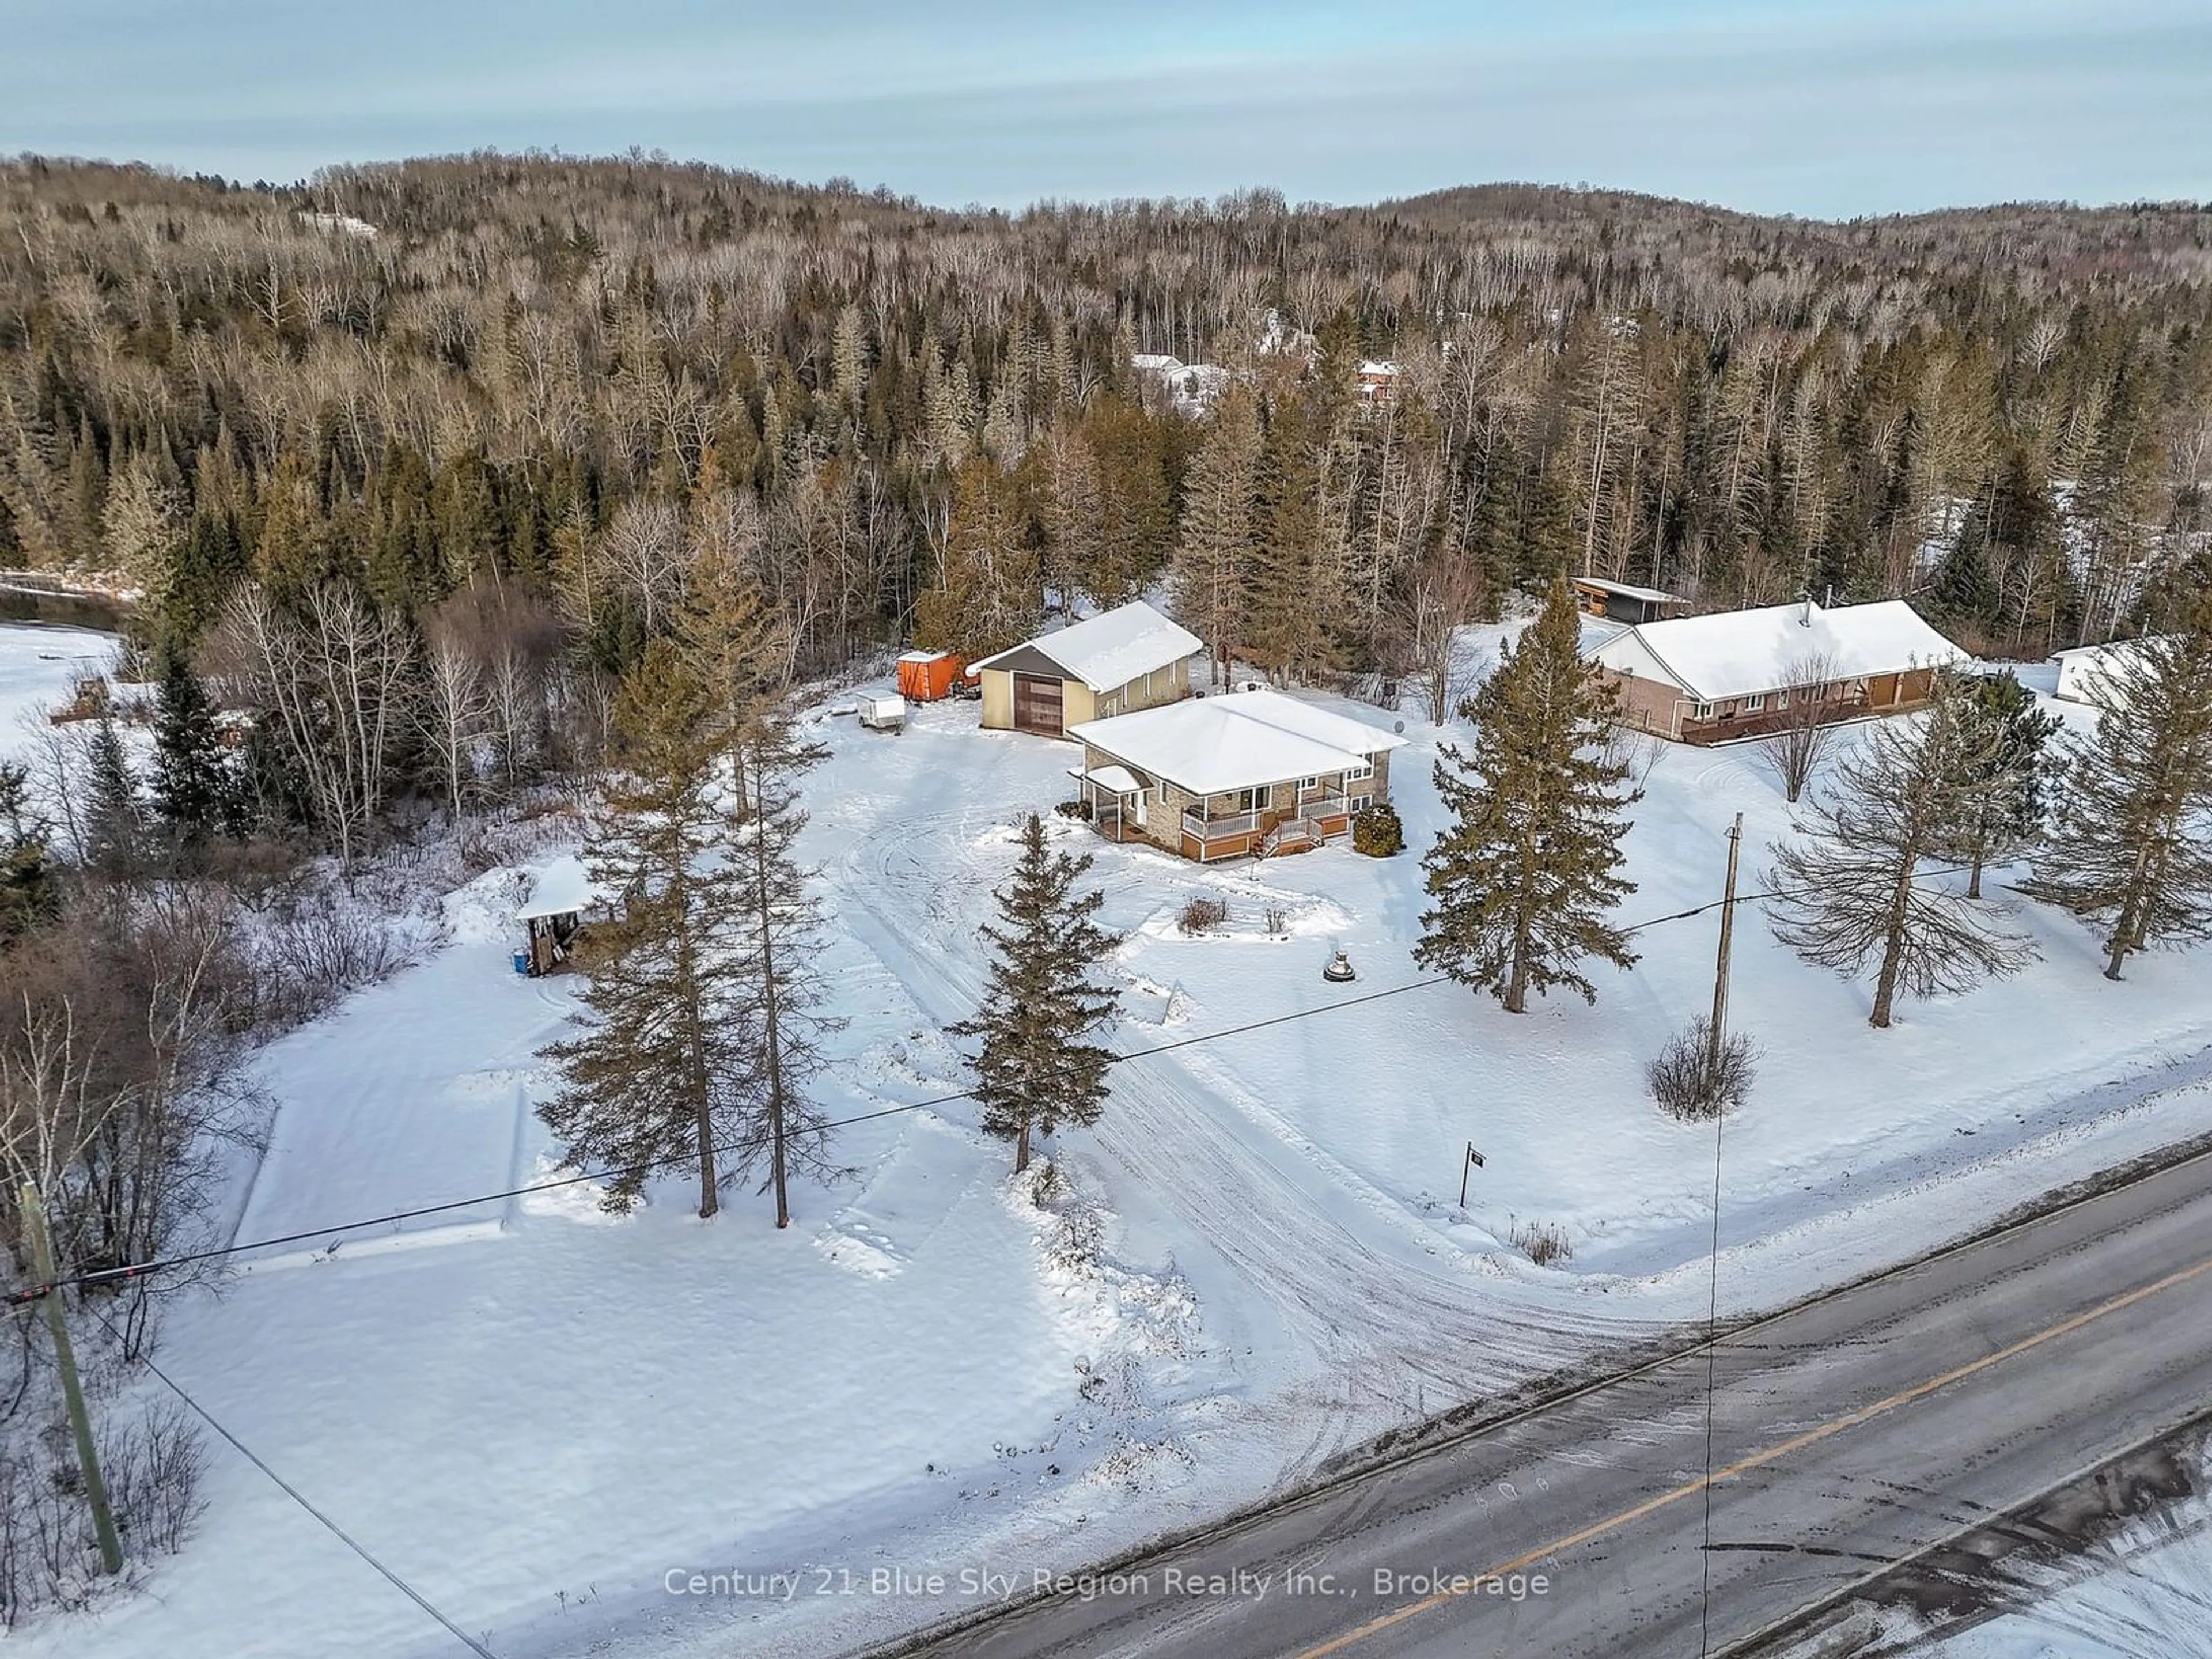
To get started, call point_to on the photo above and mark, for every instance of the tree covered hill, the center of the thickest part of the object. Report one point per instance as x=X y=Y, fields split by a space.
x=564 y=376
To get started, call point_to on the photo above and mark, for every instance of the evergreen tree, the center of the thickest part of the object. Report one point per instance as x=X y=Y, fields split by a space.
x=777 y=938
x=989 y=592
x=1529 y=865
x=1036 y=1068
x=1214 y=555
x=27 y=894
x=663 y=1071
x=2131 y=844
x=2000 y=793
x=1964 y=593
x=735 y=640
x=194 y=791
x=1851 y=894
x=114 y=824
x=1285 y=624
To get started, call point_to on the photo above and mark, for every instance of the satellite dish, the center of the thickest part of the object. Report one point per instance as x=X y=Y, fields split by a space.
x=1398 y=727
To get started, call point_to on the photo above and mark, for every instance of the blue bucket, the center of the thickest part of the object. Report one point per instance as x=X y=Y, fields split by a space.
x=522 y=962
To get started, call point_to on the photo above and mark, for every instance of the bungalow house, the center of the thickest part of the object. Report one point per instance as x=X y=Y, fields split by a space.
x=1621 y=602
x=1746 y=674
x=1252 y=773
x=1123 y=659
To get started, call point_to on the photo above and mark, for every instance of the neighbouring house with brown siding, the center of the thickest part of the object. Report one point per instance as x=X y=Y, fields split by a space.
x=1119 y=661
x=1254 y=773
x=1746 y=674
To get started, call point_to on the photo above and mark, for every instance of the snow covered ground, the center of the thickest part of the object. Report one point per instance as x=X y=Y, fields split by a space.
x=2143 y=1593
x=535 y=1414
x=39 y=666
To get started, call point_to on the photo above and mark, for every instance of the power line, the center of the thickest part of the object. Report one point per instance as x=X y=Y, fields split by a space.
x=297 y=1496
x=646 y=1166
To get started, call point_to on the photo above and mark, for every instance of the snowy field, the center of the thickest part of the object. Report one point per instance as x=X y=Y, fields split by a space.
x=39 y=665
x=535 y=1414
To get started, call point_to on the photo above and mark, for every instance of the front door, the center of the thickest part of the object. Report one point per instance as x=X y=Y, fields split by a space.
x=1036 y=704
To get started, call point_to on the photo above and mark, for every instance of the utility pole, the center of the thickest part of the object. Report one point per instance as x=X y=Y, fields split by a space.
x=88 y=1456
x=1713 y=1040
x=1714 y=1032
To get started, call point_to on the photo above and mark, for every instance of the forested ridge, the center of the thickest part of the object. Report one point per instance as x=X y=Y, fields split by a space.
x=561 y=379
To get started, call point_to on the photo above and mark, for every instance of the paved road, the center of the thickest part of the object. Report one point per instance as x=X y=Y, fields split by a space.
x=1847 y=1435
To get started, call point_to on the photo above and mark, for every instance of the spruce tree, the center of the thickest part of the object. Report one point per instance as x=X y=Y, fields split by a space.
x=1850 y=893
x=194 y=791
x=26 y=892
x=2131 y=844
x=989 y=592
x=114 y=825
x=662 y=1071
x=1037 y=1068
x=2001 y=793
x=1214 y=555
x=777 y=940
x=1524 y=874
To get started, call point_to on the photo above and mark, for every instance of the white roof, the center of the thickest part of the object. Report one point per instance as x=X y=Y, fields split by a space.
x=923 y=656
x=1212 y=744
x=562 y=887
x=1156 y=362
x=1114 y=648
x=1733 y=653
x=1115 y=780
x=2094 y=652
x=1372 y=367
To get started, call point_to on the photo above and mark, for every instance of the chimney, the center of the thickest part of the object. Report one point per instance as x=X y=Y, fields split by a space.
x=1805 y=616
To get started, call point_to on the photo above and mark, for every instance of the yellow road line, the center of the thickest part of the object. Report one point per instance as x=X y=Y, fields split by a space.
x=1757 y=1460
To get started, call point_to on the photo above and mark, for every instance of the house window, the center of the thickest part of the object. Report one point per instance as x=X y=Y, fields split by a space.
x=1701 y=711
x=1754 y=703
x=1362 y=772
x=1782 y=700
x=1307 y=786
x=1255 y=800
x=1361 y=803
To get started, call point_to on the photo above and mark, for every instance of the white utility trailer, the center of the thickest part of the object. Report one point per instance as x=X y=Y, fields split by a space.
x=883 y=713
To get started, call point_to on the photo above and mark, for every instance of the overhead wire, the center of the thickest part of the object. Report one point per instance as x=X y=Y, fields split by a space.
x=749 y=1144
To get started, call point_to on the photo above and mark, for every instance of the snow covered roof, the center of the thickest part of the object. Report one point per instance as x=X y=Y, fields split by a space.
x=1154 y=362
x=1212 y=744
x=2113 y=648
x=1381 y=370
x=923 y=656
x=1733 y=653
x=1108 y=651
x=562 y=888
x=1115 y=780
x=1626 y=590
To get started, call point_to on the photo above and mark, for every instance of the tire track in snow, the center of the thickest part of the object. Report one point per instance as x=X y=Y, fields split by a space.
x=1373 y=1339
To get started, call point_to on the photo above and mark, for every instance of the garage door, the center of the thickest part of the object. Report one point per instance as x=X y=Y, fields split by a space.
x=1036 y=704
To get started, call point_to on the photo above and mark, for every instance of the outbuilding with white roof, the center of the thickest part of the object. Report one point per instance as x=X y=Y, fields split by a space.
x=1253 y=772
x=1119 y=661
x=1745 y=673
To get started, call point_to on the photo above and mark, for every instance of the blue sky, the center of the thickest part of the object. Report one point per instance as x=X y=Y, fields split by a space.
x=1827 y=110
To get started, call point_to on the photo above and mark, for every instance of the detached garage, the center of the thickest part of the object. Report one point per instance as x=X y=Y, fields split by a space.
x=1116 y=663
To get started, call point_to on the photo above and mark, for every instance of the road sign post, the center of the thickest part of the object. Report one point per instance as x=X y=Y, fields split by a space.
x=1472 y=1162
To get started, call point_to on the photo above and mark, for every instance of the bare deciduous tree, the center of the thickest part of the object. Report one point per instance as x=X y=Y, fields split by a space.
x=1803 y=708
x=336 y=682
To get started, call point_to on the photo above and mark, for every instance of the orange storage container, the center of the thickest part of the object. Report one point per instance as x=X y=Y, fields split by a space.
x=926 y=676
